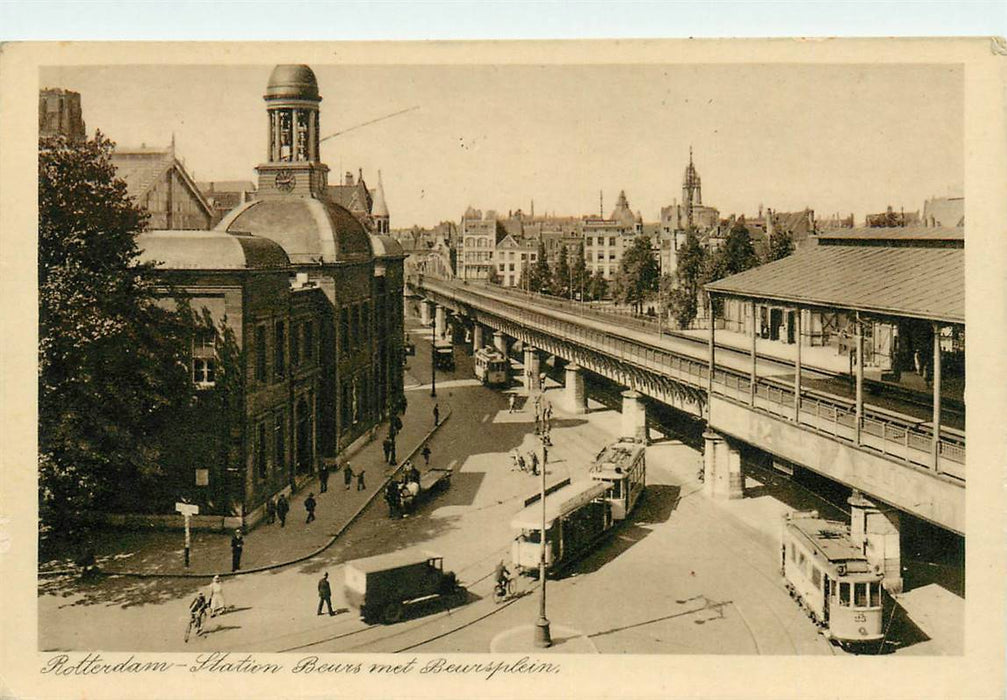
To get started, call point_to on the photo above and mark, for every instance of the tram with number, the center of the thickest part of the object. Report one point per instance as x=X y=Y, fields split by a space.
x=491 y=367
x=579 y=514
x=831 y=579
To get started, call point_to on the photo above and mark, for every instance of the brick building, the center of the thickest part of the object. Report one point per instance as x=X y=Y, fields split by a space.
x=59 y=113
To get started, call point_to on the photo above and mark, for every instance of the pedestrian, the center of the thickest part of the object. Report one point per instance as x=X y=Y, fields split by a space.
x=216 y=597
x=534 y=463
x=391 y=455
x=237 y=542
x=397 y=424
x=520 y=462
x=426 y=454
x=360 y=480
x=513 y=459
x=510 y=404
x=271 y=511
x=309 y=505
x=437 y=415
x=282 y=507
x=347 y=475
x=387 y=447
x=324 y=594
x=392 y=492
x=323 y=477
x=402 y=405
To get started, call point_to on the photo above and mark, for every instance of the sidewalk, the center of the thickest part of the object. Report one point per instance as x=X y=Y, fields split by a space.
x=161 y=553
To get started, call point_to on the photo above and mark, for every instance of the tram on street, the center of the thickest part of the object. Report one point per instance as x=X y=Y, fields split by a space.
x=576 y=517
x=491 y=367
x=831 y=579
x=444 y=355
x=622 y=466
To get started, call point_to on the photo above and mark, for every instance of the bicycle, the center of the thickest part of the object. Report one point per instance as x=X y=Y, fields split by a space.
x=196 y=619
x=503 y=590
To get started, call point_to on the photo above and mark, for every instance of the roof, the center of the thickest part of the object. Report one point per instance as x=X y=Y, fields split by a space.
x=926 y=283
x=559 y=502
x=391 y=560
x=831 y=538
x=141 y=168
x=355 y=197
x=896 y=233
x=215 y=186
x=310 y=230
x=292 y=82
x=385 y=247
x=209 y=250
x=619 y=455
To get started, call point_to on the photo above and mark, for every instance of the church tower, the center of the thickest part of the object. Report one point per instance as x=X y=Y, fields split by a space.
x=379 y=209
x=292 y=166
x=692 y=190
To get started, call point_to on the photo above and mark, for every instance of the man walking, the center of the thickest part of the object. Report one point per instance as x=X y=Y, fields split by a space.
x=360 y=480
x=324 y=594
x=437 y=415
x=271 y=511
x=534 y=463
x=347 y=475
x=426 y=454
x=391 y=452
x=387 y=447
x=510 y=404
x=282 y=507
x=323 y=477
x=237 y=542
x=309 y=505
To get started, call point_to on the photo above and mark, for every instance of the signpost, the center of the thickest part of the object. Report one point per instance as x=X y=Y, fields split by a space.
x=187 y=510
x=542 y=637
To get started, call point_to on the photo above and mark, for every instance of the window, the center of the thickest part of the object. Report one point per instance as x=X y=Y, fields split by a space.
x=204 y=371
x=611 y=240
x=280 y=439
x=601 y=256
x=844 y=594
x=280 y=358
x=875 y=594
x=260 y=450
x=309 y=340
x=511 y=267
x=816 y=577
x=260 y=353
x=295 y=346
x=590 y=240
x=860 y=595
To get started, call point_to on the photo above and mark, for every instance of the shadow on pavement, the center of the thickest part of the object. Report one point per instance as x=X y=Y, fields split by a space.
x=121 y=591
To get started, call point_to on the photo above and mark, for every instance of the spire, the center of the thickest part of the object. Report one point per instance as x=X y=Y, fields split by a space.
x=379 y=207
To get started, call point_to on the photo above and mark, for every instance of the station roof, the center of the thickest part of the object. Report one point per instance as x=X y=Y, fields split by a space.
x=926 y=283
x=209 y=250
x=558 y=503
x=894 y=234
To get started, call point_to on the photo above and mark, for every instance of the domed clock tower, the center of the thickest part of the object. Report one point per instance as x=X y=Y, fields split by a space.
x=293 y=166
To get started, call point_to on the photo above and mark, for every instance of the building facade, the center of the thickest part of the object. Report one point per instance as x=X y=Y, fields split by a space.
x=60 y=114
x=477 y=239
x=157 y=181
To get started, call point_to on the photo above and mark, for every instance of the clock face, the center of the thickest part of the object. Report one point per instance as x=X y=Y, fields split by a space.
x=285 y=180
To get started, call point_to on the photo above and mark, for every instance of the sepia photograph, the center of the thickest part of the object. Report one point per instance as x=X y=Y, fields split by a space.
x=492 y=360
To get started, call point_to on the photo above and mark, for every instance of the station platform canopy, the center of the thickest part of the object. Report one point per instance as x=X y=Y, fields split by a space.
x=909 y=282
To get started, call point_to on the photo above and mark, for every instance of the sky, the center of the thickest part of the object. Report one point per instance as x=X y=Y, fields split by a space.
x=837 y=138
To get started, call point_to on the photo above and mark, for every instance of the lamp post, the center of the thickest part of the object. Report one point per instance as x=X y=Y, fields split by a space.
x=542 y=637
x=433 y=361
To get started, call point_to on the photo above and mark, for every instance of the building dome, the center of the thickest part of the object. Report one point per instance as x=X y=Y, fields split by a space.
x=292 y=82
x=386 y=247
x=310 y=230
x=209 y=250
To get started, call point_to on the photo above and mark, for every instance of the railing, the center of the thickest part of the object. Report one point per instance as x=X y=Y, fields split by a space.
x=892 y=435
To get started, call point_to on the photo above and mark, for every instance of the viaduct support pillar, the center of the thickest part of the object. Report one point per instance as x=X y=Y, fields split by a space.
x=722 y=476
x=634 y=416
x=574 y=394
x=477 y=337
x=532 y=369
x=876 y=530
x=440 y=325
x=425 y=312
x=500 y=343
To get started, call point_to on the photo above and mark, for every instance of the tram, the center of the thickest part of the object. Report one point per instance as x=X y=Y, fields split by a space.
x=491 y=367
x=831 y=579
x=444 y=355
x=623 y=467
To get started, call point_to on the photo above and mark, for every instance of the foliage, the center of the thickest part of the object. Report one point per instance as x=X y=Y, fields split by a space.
x=738 y=253
x=539 y=274
x=578 y=270
x=780 y=246
x=493 y=277
x=561 y=279
x=597 y=286
x=638 y=274
x=113 y=363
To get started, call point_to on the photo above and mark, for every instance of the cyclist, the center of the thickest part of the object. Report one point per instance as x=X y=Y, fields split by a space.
x=502 y=576
x=197 y=611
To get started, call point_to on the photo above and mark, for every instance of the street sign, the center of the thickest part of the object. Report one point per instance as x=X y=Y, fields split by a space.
x=202 y=477
x=187 y=509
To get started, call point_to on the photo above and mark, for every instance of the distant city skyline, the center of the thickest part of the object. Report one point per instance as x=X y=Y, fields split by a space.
x=836 y=138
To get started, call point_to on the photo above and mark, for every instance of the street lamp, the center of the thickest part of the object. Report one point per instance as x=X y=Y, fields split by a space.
x=433 y=360
x=542 y=637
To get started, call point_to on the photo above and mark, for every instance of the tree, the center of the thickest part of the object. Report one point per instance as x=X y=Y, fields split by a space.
x=493 y=277
x=638 y=274
x=597 y=286
x=113 y=362
x=578 y=270
x=561 y=281
x=780 y=245
x=738 y=253
x=539 y=275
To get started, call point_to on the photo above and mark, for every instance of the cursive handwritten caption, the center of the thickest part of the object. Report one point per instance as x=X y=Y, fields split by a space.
x=95 y=664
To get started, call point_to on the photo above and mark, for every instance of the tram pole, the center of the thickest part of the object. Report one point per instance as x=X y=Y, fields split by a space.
x=542 y=637
x=433 y=361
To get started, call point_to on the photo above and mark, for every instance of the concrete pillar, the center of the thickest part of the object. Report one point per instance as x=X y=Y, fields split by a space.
x=575 y=394
x=634 y=416
x=500 y=342
x=477 y=337
x=532 y=369
x=425 y=312
x=753 y=379
x=722 y=475
x=797 y=367
x=935 y=448
x=440 y=321
x=876 y=531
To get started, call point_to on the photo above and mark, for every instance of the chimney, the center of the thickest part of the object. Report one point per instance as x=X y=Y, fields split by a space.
x=348 y=180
